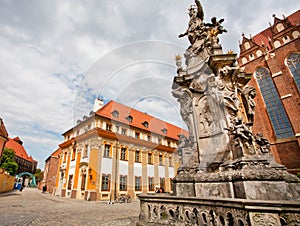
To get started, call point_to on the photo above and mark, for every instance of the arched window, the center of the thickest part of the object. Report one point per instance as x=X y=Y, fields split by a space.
x=277 y=114
x=293 y=62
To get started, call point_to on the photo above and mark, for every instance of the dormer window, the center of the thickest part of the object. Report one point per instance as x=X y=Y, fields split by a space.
x=146 y=124
x=115 y=114
x=164 y=130
x=129 y=118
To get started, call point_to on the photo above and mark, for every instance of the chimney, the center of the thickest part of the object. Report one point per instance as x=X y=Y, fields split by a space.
x=99 y=103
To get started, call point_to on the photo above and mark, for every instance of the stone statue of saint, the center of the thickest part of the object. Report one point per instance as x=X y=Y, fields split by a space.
x=249 y=94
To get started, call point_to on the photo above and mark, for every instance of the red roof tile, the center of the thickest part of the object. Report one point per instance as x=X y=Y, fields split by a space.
x=18 y=148
x=295 y=18
x=138 y=118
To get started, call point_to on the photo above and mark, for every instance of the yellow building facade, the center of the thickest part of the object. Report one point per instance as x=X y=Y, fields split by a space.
x=117 y=151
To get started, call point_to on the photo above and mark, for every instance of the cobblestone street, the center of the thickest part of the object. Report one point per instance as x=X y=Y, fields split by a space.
x=31 y=207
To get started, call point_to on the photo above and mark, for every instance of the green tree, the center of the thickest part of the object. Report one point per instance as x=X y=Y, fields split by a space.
x=39 y=174
x=8 y=161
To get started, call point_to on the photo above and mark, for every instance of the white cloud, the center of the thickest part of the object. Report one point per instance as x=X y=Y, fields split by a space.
x=47 y=47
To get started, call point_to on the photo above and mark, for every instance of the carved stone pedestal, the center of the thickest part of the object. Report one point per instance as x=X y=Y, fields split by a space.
x=228 y=175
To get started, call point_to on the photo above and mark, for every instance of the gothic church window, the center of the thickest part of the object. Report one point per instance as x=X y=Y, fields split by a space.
x=275 y=109
x=293 y=62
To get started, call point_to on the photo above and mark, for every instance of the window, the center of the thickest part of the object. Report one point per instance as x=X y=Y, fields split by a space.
x=275 y=109
x=73 y=154
x=138 y=186
x=124 y=131
x=159 y=140
x=115 y=114
x=146 y=124
x=105 y=182
x=137 y=135
x=85 y=150
x=293 y=62
x=246 y=45
x=160 y=160
x=65 y=157
x=123 y=153
x=137 y=156
x=164 y=130
x=151 y=183
x=171 y=184
x=107 y=150
x=170 y=161
x=108 y=127
x=83 y=179
x=162 y=183
x=129 y=118
x=149 y=158
x=149 y=138
x=70 y=182
x=123 y=183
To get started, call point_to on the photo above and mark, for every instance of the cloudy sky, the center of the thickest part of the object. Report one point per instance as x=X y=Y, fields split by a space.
x=57 y=56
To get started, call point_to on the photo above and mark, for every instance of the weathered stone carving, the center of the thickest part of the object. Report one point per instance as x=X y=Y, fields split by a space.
x=222 y=160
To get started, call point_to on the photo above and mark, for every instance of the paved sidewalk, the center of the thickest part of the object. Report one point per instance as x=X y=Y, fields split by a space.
x=32 y=207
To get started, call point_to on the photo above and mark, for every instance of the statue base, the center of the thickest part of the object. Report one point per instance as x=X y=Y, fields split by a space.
x=247 y=191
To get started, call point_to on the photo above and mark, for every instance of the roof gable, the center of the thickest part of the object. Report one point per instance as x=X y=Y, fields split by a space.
x=19 y=149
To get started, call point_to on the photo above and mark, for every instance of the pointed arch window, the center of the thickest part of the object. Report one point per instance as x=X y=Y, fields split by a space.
x=293 y=62
x=275 y=109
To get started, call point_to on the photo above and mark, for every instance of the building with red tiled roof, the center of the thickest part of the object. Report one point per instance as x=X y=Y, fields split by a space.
x=273 y=58
x=3 y=136
x=26 y=163
x=51 y=170
x=117 y=150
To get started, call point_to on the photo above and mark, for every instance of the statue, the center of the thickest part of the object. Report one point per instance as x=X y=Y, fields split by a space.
x=249 y=94
x=263 y=143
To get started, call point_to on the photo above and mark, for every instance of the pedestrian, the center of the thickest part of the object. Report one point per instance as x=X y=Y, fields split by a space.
x=44 y=188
